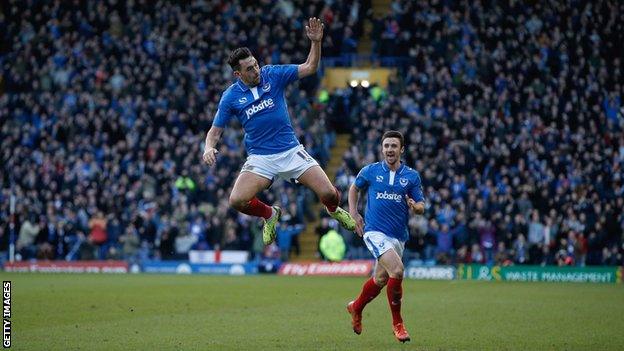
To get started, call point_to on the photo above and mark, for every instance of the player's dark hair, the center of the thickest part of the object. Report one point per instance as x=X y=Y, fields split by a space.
x=393 y=134
x=236 y=55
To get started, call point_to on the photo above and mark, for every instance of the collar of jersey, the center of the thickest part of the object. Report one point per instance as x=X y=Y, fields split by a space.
x=386 y=168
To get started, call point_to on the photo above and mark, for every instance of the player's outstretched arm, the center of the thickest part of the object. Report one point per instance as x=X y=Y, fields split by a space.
x=417 y=207
x=354 y=197
x=212 y=138
x=314 y=31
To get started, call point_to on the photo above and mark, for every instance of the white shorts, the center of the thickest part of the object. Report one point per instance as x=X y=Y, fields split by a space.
x=289 y=164
x=378 y=243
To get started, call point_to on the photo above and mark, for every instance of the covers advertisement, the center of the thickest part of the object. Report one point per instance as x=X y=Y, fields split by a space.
x=430 y=272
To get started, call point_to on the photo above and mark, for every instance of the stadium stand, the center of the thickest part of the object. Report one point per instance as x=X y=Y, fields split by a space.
x=107 y=106
x=512 y=113
x=513 y=116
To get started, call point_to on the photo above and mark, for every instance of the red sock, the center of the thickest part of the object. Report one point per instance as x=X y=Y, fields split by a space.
x=258 y=208
x=332 y=204
x=395 y=293
x=370 y=290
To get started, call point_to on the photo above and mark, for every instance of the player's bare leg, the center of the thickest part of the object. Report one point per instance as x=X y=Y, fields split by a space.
x=316 y=179
x=243 y=199
x=372 y=287
x=392 y=263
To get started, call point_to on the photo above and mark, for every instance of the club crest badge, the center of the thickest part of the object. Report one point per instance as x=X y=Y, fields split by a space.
x=403 y=182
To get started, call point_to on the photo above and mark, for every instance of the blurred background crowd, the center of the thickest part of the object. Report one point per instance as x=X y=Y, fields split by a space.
x=105 y=106
x=512 y=114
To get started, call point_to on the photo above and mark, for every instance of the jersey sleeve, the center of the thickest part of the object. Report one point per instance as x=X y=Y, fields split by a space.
x=416 y=193
x=361 y=181
x=224 y=113
x=284 y=74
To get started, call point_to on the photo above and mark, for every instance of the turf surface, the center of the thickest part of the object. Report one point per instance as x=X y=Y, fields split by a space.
x=172 y=312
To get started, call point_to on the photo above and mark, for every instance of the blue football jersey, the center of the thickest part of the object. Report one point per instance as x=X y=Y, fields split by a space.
x=386 y=207
x=261 y=110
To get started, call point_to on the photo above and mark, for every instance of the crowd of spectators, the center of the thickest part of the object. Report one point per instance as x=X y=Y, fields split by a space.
x=105 y=106
x=513 y=115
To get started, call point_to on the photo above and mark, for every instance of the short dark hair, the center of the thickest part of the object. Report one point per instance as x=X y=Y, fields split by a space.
x=393 y=134
x=236 y=55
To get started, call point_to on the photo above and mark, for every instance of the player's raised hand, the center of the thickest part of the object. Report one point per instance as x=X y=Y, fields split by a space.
x=359 y=223
x=314 y=29
x=210 y=155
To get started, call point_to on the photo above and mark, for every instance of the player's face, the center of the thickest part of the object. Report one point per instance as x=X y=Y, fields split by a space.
x=392 y=150
x=249 y=71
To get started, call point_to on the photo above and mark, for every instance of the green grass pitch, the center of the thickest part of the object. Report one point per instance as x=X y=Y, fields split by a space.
x=195 y=312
